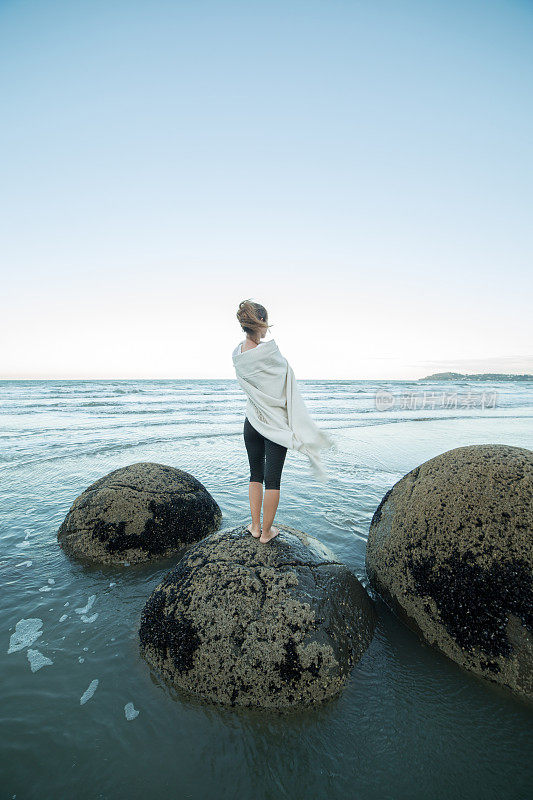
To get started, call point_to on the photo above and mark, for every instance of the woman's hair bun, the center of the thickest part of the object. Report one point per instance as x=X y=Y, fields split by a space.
x=253 y=318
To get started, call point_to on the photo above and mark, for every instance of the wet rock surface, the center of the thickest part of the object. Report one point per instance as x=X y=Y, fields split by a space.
x=450 y=548
x=138 y=513
x=276 y=625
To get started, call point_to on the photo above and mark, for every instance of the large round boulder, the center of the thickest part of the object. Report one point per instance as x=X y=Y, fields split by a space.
x=137 y=513
x=276 y=625
x=450 y=549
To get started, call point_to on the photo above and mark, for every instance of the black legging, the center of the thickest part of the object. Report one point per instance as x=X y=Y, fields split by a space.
x=266 y=458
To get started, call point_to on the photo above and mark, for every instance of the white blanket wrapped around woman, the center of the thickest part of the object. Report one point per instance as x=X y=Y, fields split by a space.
x=275 y=406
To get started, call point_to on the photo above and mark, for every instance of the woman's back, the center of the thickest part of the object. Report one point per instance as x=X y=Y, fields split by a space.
x=239 y=348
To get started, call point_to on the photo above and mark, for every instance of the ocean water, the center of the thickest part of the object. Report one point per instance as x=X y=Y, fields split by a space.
x=81 y=714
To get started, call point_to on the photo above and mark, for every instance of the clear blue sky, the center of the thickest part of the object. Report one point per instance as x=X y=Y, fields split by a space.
x=363 y=169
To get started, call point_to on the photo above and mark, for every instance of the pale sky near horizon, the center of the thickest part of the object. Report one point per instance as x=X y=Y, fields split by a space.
x=363 y=169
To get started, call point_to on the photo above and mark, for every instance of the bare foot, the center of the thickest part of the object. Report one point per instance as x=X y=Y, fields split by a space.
x=255 y=533
x=266 y=536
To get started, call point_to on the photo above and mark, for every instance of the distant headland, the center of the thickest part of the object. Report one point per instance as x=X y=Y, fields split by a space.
x=484 y=376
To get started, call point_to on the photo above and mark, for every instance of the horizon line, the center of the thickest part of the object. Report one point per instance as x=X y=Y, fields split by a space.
x=383 y=378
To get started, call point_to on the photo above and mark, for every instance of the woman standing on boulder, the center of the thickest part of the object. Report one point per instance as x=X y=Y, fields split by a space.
x=276 y=417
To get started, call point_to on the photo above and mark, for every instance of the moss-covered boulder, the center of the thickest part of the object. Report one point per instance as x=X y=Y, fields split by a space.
x=138 y=513
x=276 y=625
x=450 y=548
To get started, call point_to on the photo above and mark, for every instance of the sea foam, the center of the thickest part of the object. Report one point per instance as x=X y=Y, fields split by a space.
x=130 y=711
x=37 y=660
x=26 y=632
x=85 y=609
x=88 y=693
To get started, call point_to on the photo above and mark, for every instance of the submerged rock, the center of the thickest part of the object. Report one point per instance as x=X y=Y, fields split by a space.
x=275 y=625
x=450 y=548
x=138 y=513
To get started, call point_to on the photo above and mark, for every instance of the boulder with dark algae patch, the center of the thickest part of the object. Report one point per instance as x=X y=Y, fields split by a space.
x=240 y=623
x=450 y=549
x=138 y=513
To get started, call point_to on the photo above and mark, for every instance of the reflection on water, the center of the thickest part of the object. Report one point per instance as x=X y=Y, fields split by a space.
x=81 y=710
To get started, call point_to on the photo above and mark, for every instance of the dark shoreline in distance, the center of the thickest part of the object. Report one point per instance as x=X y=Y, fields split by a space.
x=484 y=376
